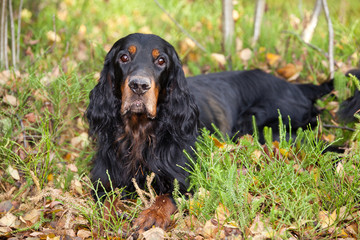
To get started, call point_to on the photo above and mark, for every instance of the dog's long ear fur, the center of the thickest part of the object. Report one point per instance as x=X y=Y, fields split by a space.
x=104 y=106
x=182 y=110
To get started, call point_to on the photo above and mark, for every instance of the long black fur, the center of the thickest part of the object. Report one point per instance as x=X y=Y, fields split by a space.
x=173 y=130
x=230 y=99
x=227 y=99
x=351 y=105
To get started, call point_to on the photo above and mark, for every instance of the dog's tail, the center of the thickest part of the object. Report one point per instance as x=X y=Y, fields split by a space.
x=351 y=105
x=314 y=92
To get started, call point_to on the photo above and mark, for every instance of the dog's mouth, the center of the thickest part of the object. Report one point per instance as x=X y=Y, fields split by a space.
x=138 y=106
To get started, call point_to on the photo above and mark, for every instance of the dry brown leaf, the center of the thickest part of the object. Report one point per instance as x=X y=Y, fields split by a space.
x=326 y=219
x=4 y=77
x=222 y=214
x=329 y=137
x=33 y=216
x=255 y=155
x=13 y=173
x=30 y=117
x=72 y=167
x=210 y=230
x=353 y=229
x=154 y=233
x=82 y=233
x=272 y=59
x=5 y=206
x=77 y=186
x=11 y=100
x=290 y=71
x=9 y=220
x=261 y=228
x=80 y=141
x=5 y=230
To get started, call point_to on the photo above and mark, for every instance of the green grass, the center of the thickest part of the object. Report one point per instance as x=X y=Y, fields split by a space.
x=288 y=190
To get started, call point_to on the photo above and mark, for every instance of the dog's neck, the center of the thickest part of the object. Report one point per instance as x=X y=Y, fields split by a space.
x=137 y=138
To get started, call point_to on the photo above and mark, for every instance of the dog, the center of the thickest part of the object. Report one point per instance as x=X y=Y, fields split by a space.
x=144 y=113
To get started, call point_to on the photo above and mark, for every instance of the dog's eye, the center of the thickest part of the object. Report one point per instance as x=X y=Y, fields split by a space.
x=161 y=61
x=124 y=58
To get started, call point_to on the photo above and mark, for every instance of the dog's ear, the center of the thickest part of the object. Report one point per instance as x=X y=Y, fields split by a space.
x=182 y=109
x=104 y=106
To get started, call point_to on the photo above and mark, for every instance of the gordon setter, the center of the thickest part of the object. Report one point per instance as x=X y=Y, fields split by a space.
x=144 y=113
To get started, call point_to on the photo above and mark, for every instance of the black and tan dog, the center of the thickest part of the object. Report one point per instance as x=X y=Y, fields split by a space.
x=143 y=113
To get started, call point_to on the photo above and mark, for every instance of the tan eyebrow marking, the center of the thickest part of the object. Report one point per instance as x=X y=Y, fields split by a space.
x=155 y=53
x=132 y=49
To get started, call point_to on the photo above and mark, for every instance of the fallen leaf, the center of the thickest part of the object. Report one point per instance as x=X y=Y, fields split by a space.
x=219 y=58
x=80 y=141
x=82 y=233
x=272 y=59
x=5 y=206
x=329 y=137
x=245 y=54
x=11 y=100
x=31 y=117
x=5 y=230
x=153 y=234
x=77 y=186
x=33 y=216
x=217 y=142
x=209 y=230
x=353 y=229
x=13 y=173
x=290 y=71
x=9 y=220
x=326 y=219
x=72 y=167
x=53 y=37
x=222 y=214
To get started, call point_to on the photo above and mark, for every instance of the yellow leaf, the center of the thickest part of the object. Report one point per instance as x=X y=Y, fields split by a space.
x=218 y=143
x=284 y=152
x=53 y=37
x=329 y=137
x=26 y=14
x=50 y=177
x=272 y=59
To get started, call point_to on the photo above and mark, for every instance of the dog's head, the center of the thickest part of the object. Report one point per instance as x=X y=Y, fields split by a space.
x=141 y=73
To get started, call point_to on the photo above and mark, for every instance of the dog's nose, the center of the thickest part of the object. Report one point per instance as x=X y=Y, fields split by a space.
x=139 y=85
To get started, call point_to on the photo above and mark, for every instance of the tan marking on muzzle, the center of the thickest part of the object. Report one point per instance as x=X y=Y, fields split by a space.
x=149 y=99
